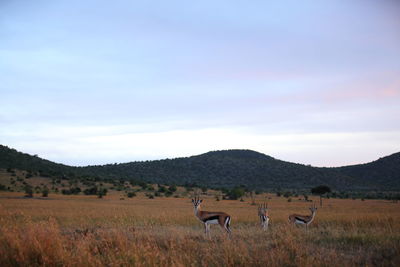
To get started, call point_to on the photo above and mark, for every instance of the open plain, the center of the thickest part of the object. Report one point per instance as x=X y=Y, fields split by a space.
x=86 y=231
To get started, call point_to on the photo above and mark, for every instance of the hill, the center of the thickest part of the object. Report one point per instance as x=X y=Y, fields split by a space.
x=384 y=172
x=220 y=169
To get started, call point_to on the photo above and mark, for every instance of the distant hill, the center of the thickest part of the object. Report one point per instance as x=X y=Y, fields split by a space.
x=383 y=173
x=226 y=168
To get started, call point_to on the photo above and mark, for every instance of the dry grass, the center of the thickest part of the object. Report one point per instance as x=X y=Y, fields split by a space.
x=85 y=231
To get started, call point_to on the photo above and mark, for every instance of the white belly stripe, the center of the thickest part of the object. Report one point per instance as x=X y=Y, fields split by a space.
x=215 y=221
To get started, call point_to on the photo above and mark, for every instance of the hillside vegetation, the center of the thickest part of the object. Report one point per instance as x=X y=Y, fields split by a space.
x=222 y=169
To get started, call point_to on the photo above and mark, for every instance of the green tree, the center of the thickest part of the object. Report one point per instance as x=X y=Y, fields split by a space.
x=131 y=194
x=235 y=193
x=2 y=187
x=320 y=190
x=101 y=192
x=172 y=188
x=45 y=192
x=28 y=191
x=162 y=189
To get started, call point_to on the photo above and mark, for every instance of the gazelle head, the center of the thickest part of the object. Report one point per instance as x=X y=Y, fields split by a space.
x=196 y=202
x=263 y=214
x=313 y=208
x=263 y=209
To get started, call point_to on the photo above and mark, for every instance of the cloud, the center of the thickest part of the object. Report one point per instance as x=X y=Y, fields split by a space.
x=87 y=83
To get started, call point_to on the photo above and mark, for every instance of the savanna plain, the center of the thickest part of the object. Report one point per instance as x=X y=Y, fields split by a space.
x=87 y=231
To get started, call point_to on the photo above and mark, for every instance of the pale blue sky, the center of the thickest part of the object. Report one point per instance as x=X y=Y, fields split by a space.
x=92 y=82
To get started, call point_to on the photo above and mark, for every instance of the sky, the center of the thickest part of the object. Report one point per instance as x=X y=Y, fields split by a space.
x=96 y=82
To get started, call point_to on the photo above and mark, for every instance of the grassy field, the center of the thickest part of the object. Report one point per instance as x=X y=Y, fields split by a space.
x=86 y=231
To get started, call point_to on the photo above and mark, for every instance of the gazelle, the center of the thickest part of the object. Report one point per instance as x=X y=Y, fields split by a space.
x=210 y=217
x=303 y=219
x=263 y=214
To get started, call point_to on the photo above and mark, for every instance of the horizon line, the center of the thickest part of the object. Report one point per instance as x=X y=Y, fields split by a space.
x=182 y=157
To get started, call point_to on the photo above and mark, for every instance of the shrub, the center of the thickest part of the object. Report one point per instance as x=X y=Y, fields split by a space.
x=45 y=192
x=90 y=191
x=150 y=196
x=131 y=194
x=172 y=188
x=150 y=187
x=101 y=192
x=71 y=191
x=2 y=187
x=287 y=194
x=162 y=189
x=28 y=191
x=235 y=193
x=143 y=185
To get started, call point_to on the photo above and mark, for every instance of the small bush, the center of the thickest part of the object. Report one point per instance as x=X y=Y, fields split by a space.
x=101 y=192
x=172 y=188
x=131 y=194
x=150 y=187
x=28 y=191
x=235 y=193
x=90 y=191
x=287 y=194
x=162 y=189
x=45 y=192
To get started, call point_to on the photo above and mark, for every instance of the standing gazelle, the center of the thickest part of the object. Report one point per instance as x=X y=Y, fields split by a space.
x=210 y=217
x=263 y=214
x=303 y=219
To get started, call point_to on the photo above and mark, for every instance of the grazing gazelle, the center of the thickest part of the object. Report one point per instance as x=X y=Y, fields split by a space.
x=263 y=214
x=303 y=219
x=210 y=217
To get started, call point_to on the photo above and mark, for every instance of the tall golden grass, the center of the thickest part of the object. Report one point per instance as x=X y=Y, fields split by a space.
x=85 y=231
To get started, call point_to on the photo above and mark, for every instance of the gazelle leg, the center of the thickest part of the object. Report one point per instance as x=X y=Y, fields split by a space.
x=227 y=226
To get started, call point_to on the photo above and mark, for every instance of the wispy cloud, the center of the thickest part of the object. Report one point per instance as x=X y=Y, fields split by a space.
x=91 y=82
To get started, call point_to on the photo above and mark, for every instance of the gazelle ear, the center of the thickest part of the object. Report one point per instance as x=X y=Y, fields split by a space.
x=192 y=200
x=200 y=201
